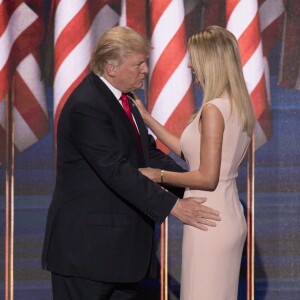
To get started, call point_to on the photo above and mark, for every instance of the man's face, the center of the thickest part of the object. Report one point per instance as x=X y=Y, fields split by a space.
x=130 y=74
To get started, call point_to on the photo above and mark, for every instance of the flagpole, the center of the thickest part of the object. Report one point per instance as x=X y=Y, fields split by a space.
x=9 y=203
x=253 y=218
x=250 y=220
x=164 y=260
x=166 y=272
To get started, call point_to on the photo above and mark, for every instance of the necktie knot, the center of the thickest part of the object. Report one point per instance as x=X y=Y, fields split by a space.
x=125 y=103
x=126 y=107
x=123 y=97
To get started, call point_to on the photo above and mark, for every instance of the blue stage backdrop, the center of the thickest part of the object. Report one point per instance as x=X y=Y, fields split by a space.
x=73 y=27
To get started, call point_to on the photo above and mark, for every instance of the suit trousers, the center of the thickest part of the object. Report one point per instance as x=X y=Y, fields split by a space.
x=74 y=288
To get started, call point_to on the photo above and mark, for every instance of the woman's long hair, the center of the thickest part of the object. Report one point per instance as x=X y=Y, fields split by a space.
x=215 y=59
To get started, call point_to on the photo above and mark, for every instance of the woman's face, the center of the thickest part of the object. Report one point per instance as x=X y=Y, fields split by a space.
x=190 y=66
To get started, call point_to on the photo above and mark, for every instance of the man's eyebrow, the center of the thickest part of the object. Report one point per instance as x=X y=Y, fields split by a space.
x=140 y=62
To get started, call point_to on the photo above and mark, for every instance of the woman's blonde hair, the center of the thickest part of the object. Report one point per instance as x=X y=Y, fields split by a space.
x=114 y=45
x=215 y=58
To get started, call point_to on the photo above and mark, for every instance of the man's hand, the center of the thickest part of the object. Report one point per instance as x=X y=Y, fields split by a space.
x=191 y=211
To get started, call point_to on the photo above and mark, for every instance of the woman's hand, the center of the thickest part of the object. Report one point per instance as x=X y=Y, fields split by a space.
x=143 y=111
x=153 y=174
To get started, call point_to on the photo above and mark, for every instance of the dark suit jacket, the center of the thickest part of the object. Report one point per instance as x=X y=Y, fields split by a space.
x=100 y=222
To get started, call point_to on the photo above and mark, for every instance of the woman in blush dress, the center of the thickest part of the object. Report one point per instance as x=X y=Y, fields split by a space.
x=213 y=145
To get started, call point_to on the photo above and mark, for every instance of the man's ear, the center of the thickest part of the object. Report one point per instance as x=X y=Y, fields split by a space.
x=110 y=69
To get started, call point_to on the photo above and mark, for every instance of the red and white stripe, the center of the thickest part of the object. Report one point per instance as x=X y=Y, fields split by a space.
x=22 y=31
x=133 y=14
x=78 y=25
x=170 y=98
x=244 y=24
x=243 y=21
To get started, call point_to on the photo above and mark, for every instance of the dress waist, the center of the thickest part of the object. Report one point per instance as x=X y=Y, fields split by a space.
x=228 y=177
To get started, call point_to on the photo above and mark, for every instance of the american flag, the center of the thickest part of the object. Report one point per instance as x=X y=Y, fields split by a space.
x=257 y=26
x=243 y=21
x=21 y=33
x=170 y=98
x=78 y=25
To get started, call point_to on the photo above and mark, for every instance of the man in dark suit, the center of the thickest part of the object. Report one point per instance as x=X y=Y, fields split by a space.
x=99 y=233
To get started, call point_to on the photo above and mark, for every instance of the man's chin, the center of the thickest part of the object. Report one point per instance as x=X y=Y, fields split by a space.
x=139 y=86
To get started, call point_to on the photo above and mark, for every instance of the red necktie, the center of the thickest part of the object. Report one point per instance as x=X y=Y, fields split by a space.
x=126 y=106
x=127 y=109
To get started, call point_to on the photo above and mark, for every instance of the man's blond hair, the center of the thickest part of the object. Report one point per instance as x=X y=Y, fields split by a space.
x=114 y=45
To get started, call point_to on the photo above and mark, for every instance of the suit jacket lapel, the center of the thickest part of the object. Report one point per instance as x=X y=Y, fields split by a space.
x=120 y=113
x=113 y=103
x=142 y=130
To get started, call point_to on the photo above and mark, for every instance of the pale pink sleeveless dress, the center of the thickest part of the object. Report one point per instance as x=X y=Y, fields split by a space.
x=211 y=259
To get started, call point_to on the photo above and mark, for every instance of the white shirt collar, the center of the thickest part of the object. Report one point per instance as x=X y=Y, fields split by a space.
x=115 y=91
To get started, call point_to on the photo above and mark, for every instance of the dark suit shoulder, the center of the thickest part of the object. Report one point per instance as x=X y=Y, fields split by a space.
x=90 y=93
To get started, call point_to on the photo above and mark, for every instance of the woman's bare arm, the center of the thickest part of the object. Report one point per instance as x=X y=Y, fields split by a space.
x=207 y=176
x=167 y=138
